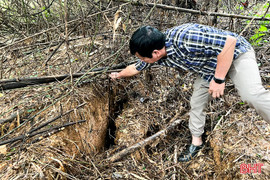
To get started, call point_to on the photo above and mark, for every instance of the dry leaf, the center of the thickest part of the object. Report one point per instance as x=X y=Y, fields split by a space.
x=116 y=22
x=194 y=165
x=1 y=95
x=2 y=166
x=116 y=15
x=115 y=26
x=3 y=149
x=124 y=27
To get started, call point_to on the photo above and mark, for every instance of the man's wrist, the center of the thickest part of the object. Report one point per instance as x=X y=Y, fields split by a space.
x=218 y=80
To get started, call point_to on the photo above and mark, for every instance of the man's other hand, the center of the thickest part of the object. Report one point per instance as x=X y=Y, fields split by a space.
x=216 y=90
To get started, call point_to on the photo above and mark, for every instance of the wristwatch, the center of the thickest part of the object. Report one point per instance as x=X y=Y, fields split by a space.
x=219 y=81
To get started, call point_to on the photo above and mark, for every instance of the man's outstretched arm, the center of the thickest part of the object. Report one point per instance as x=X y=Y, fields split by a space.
x=127 y=72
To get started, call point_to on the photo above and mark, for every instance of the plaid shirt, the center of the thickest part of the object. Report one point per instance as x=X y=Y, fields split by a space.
x=195 y=47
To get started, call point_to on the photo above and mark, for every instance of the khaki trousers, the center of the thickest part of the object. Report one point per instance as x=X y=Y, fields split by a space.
x=244 y=74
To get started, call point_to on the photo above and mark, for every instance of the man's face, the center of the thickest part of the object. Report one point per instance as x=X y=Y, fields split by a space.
x=155 y=57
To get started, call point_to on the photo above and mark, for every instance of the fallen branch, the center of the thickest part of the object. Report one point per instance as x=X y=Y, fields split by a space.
x=58 y=128
x=144 y=142
x=23 y=82
x=162 y=6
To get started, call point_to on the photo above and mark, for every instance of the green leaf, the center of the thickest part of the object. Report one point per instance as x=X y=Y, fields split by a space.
x=258 y=41
x=30 y=110
x=258 y=155
x=256 y=36
x=263 y=29
x=221 y=151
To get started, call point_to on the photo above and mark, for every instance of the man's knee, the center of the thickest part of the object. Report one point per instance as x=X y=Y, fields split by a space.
x=253 y=95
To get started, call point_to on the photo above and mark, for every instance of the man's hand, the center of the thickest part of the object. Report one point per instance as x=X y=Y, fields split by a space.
x=114 y=75
x=215 y=89
x=127 y=72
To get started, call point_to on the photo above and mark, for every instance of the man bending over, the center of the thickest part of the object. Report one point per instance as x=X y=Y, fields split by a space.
x=213 y=54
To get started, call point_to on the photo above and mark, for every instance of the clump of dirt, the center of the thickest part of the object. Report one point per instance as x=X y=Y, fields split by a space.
x=88 y=137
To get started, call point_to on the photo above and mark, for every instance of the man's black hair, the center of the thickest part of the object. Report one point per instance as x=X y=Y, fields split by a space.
x=145 y=40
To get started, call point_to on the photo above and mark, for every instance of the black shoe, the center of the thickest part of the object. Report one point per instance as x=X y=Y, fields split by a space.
x=190 y=153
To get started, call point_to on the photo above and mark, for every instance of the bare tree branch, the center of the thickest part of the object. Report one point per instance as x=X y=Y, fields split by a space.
x=162 y=6
x=144 y=142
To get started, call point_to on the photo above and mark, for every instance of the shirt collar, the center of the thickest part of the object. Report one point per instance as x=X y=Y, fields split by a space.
x=170 y=50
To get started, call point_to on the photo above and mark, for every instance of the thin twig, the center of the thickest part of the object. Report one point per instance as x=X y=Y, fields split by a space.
x=55 y=118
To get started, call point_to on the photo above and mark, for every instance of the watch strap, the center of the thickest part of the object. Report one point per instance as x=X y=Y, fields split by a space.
x=219 y=81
